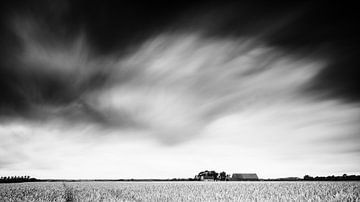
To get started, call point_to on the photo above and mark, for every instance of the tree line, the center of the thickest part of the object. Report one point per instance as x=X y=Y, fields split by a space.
x=204 y=175
x=344 y=177
x=10 y=179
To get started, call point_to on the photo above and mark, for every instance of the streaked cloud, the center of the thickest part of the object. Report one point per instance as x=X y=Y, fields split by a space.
x=204 y=102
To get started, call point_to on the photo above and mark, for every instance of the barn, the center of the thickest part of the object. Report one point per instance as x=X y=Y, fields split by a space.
x=244 y=177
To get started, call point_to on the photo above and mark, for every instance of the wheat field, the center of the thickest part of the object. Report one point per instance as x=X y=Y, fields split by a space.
x=181 y=191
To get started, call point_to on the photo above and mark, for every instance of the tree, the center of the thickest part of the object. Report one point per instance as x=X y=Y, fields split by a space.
x=222 y=176
x=308 y=177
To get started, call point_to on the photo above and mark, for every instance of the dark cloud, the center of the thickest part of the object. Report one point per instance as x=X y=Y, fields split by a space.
x=330 y=30
x=116 y=27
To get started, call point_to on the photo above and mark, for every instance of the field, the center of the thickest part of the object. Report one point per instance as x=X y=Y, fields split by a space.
x=181 y=191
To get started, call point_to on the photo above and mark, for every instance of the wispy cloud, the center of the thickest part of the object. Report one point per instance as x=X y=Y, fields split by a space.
x=183 y=90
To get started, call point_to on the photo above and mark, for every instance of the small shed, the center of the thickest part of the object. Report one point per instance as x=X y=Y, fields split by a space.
x=244 y=177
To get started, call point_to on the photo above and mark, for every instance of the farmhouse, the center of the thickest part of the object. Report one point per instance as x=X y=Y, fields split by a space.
x=244 y=177
x=207 y=176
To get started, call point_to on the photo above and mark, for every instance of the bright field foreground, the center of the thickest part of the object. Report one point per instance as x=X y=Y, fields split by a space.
x=181 y=191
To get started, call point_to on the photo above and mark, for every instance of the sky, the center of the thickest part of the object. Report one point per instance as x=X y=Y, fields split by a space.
x=126 y=89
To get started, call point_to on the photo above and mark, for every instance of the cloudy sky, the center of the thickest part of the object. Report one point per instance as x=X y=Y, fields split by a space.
x=126 y=89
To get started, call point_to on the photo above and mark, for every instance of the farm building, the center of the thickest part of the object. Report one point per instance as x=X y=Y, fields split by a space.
x=244 y=177
x=207 y=176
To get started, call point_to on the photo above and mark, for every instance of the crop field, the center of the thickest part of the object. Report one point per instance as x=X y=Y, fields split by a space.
x=181 y=191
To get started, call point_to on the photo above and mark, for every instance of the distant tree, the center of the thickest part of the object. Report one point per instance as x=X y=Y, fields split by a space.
x=213 y=174
x=308 y=177
x=222 y=176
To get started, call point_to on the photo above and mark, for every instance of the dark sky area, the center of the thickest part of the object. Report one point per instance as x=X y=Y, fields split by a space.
x=329 y=29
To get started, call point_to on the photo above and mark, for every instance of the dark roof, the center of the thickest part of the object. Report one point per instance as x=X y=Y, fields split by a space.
x=245 y=176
